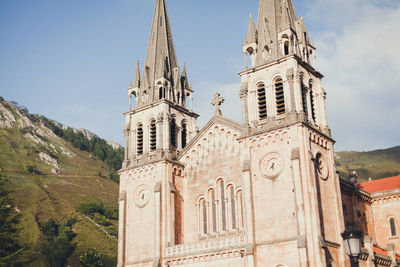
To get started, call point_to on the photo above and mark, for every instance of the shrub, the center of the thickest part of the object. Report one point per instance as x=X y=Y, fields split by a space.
x=34 y=170
x=50 y=228
x=101 y=219
x=112 y=230
x=90 y=208
x=91 y=258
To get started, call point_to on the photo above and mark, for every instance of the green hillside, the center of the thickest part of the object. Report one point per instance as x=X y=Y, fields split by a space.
x=51 y=177
x=372 y=164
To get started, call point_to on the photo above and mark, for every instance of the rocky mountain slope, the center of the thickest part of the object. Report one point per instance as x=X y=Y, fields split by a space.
x=53 y=178
x=371 y=164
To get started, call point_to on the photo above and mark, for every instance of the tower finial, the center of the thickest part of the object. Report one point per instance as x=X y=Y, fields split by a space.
x=217 y=102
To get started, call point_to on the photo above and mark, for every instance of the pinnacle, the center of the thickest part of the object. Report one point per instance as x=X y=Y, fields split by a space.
x=251 y=34
x=136 y=81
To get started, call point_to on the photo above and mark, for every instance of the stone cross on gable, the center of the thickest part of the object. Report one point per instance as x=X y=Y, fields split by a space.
x=217 y=102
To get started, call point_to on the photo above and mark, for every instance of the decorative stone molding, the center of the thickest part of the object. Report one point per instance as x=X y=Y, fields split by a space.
x=243 y=90
x=301 y=241
x=295 y=154
x=318 y=139
x=157 y=188
x=122 y=196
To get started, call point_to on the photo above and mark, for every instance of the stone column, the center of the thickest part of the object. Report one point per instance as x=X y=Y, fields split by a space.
x=369 y=246
x=392 y=254
x=324 y=120
x=171 y=207
x=121 y=229
x=166 y=131
x=243 y=97
x=157 y=225
x=133 y=144
x=127 y=148
x=290 y=78
x=159 y=132
x=130 y=101
x=248 y=209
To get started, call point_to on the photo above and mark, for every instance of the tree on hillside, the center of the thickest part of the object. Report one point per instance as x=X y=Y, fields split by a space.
x=58 y=246
x=91 y=258
x=9 y=248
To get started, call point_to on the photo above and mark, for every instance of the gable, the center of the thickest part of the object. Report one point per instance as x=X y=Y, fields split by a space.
x=218 y=131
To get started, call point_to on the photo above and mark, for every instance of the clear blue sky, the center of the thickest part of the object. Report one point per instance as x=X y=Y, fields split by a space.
x=72 y=60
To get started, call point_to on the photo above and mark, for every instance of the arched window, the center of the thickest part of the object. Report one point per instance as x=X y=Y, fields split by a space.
x=173 y=132
x=178 y=100
x=312 y=102
x=160 y=93
x=203 y=216
x=286 y=47
x=240 y=208
x=213 y=210
x=304 y=97
x=223 y=204
x=392 y=227
x=139 y=140
x=262 y=102
x=184 y=135
x=231 y=192
x=279 y=96
x=153 y=135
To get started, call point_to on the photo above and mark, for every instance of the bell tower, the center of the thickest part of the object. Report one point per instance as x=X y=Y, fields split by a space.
x=290 y=162
x=160 y=120
x=159 y=124
x=280 y=84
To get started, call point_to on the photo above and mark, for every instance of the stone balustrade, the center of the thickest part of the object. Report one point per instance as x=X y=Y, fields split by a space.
x=205 y=246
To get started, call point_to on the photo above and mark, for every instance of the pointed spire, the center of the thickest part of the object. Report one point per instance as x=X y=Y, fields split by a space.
x=274 y=16
x=136 y=81
x=160 y=51
x=251 y=33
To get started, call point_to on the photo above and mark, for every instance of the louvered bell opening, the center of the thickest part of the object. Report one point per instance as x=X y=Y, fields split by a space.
x=140 y=140
x=280 y=98
x=153 y=136
x=312 y=106
x=262 y=103
x=304 y=98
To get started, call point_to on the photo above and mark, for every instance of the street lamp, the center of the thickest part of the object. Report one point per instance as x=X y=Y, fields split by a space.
x=352 y=243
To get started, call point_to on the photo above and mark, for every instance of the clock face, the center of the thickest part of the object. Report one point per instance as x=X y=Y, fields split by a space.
x=142 y=196
x=322 y=166
x=271 y=165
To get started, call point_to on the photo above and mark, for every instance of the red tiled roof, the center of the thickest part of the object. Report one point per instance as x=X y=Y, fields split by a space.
x=380 y=250
x=381 y=184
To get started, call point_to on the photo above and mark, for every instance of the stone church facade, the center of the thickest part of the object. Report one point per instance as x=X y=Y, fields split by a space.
x=262 y=192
